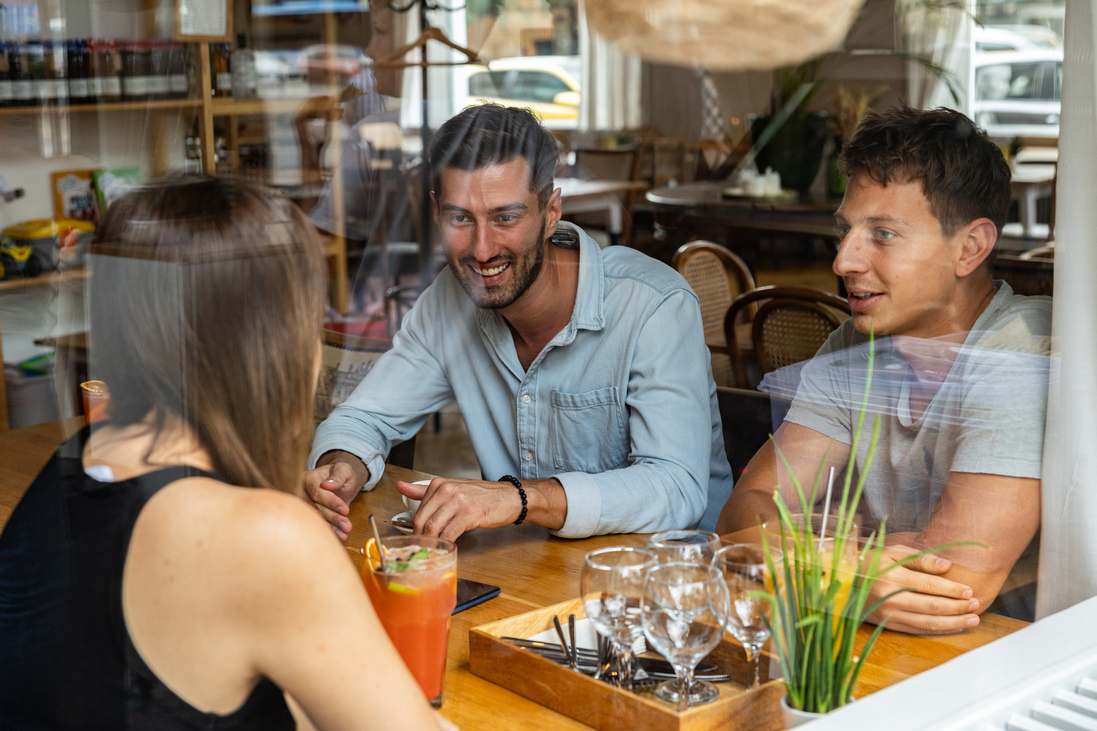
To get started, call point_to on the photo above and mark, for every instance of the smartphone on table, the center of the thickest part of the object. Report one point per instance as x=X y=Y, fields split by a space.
x=471 y=593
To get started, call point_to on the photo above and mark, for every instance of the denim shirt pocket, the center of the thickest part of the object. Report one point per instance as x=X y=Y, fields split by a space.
x=589 y=431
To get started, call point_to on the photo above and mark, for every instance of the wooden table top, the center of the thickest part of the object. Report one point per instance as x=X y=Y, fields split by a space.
x=533 y=569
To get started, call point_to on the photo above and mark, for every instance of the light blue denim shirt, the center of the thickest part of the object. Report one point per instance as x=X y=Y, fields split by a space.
x=620 y=406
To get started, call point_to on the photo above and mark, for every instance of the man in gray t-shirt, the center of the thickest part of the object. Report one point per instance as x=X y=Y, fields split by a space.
x=987 y=416
x=960 y=378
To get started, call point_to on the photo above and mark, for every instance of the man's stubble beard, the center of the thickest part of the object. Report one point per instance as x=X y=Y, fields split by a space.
x=525 y=271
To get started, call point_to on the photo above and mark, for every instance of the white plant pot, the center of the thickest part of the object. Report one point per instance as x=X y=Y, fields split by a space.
x=794 y=717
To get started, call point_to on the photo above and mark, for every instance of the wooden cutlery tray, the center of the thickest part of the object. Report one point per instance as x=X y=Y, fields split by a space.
x=608 y=708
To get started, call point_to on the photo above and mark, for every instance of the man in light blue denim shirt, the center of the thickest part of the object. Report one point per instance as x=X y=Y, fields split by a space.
x=582 y=374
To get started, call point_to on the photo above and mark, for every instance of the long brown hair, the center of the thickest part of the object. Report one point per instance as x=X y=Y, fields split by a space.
x=206 y=302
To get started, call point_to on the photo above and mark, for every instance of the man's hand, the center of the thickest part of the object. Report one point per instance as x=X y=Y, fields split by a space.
x=452 y=506
x=337 y=479
x=934 y=606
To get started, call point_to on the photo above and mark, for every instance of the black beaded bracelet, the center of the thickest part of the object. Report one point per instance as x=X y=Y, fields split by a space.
x=514 y=481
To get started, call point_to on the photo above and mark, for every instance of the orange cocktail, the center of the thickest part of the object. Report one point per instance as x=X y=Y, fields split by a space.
x=414 y=600
x=96 y=399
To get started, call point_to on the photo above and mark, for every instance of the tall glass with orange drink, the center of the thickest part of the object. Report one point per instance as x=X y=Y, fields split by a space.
x=96 y=400
x=414 y=599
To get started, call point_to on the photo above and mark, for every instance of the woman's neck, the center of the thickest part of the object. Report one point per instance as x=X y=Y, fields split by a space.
x=139 y=448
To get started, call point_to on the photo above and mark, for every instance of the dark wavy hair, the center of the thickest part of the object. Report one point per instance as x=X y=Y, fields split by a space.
x=491 y=134
x=206 y=304
x=963 y=174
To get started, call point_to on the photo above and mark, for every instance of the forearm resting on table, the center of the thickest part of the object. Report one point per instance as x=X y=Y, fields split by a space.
x=985 y=579
x=997 y=516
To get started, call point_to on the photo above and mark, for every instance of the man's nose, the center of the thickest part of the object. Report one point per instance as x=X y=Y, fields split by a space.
x=483 y=245
x=850 y=258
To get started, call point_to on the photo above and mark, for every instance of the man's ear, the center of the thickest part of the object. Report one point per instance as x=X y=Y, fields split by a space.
x=979 y=238
x=553 y=212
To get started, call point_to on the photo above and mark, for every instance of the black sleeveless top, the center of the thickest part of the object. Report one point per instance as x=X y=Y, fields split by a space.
x=66 y=659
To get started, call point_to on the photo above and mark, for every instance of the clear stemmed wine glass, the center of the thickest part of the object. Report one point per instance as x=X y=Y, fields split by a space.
x=745 y=571
x=612 y=584
x=684 y=546
x=684 y=610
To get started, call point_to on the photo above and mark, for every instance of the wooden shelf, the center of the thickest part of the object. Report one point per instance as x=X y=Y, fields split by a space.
x=55 y=277
x=108 y=107
x=225 y=107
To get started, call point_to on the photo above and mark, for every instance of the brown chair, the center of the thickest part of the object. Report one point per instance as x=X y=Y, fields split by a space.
x=790 y=326
x=345 y=361
x=716 y=276
x=619 y=164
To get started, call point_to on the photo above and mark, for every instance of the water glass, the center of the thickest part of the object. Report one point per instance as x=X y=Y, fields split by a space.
x=612 y=585
x=745 y=573
x=684 y=611
x=684 y=546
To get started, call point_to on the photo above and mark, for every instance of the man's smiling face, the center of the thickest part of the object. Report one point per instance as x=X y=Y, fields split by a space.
x=493 y=230
x=898 y=266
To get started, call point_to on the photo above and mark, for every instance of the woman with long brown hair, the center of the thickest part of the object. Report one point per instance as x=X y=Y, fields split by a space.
x=141 y=584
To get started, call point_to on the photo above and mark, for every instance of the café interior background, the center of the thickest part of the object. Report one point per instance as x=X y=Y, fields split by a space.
x=619 y=93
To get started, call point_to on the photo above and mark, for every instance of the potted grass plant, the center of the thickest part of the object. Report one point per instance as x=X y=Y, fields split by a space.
x=823 y=592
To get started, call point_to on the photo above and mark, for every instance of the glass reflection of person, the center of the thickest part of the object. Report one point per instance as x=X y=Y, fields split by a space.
x=160 y=571
x=582 y=372
x=961 y=441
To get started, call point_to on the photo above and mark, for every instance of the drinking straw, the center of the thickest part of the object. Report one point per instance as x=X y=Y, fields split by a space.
x=380 y=548
x=826 y=508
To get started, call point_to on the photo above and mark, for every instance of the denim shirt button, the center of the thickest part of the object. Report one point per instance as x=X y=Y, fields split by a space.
x=528 y=456
x=526 y=399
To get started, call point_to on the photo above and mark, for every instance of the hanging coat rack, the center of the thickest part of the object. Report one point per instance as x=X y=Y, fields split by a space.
x=397 y=59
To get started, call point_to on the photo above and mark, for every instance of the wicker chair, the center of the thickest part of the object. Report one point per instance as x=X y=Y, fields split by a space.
x=790 y=325
x=716 y=276
x=345 y=361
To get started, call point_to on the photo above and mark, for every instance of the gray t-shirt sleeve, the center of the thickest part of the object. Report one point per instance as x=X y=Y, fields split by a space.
x=1004 y=408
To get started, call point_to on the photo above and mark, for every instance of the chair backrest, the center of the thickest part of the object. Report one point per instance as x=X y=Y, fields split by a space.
x=716 y=275
x=1028 y=276
x=791 y=324
x=620 y=164
x=344 y=361
x=748 y=418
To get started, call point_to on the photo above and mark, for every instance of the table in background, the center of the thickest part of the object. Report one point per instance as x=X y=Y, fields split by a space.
x=697 y=210
x=585 y=196
x=533 y=569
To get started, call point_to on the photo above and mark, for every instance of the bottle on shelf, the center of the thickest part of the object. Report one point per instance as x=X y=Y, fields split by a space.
x=36 y=67
x=57 y=87
x=244 y=78
x=7 y=91
x=177 y=71
x=78 y=72
x=158 y=69
x=24 y=93
x=134 y=72
x=108 y=69
x=222 y=75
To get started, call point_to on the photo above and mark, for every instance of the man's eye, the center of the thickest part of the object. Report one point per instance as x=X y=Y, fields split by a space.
x=507 y=218
x=841 y=231
x=458 y=218
x=883 y=234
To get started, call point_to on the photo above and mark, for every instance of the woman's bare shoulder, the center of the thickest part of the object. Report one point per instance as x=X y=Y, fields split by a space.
x=246 y=532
